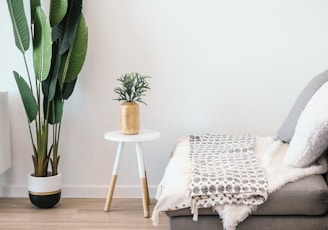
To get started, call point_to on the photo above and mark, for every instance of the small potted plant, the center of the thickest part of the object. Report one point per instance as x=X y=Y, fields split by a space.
x=133 y=88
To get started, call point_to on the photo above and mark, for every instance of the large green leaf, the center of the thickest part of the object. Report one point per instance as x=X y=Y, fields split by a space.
x=58 y=9
x=56 y=107
x=68 y=89
x=58 y=31
x=42 y=45
x=77 y=53
x=19 y=22
x=49 y=85
x=71 y=21
x=29 y=102
x=65 y=30
x=33 y=5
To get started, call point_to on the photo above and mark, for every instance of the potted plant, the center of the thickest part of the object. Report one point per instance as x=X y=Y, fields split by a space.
x=133 y=88
x=59 y=50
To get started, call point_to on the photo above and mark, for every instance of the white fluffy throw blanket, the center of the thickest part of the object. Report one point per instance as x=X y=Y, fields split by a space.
x=174 y=190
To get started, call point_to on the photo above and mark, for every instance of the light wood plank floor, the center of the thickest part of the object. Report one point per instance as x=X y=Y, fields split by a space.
x=73 y=213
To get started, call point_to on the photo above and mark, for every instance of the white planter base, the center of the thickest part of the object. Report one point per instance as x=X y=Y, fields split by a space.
x=44 y=192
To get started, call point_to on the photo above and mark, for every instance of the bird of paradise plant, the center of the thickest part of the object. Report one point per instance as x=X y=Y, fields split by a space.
x=59 y=50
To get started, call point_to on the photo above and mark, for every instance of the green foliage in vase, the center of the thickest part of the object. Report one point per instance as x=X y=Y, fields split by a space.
x=59 y=50
x=133 y=87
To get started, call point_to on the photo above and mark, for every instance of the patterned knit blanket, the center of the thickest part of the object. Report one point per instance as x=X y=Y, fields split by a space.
x=225 y=170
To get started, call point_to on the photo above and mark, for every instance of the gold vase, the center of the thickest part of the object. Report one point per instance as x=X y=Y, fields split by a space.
x=129 y=118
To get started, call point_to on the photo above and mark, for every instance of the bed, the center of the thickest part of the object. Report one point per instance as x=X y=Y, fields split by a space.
x=293 y=195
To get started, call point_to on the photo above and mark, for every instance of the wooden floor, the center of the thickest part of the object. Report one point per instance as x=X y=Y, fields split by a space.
x=19 y=213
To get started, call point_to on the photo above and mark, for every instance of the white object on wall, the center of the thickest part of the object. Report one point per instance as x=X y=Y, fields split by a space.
x=5 y=150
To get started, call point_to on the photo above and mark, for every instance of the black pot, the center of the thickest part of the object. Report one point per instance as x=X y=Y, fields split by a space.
x=45 y=201
x=44 y=192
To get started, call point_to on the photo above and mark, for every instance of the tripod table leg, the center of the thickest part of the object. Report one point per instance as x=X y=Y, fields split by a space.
x=114 y=177
x=143 y=180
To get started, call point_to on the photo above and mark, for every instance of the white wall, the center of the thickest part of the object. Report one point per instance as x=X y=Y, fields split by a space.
x=217 y=66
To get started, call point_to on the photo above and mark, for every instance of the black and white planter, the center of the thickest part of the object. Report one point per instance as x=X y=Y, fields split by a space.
x=44 y=192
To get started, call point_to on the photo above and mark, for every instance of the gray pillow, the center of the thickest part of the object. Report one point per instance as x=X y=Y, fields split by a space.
x=311 y=133
x=287 y=129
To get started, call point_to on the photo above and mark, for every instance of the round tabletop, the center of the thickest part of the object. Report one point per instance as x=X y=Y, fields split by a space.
x=143 y=135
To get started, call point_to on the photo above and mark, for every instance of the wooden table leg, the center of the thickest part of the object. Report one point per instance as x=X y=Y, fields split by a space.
x=143 y=180
x=147 y=188
x=114 y=177
x=145 y=197
x=110 y=193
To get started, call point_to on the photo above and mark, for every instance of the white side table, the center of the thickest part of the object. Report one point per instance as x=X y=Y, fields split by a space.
x=143 y=135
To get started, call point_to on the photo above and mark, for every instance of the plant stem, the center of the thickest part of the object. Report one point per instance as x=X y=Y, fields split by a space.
x=29 y=124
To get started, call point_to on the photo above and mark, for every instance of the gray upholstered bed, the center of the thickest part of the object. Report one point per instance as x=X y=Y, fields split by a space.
x=300 y=205
x=294 y=163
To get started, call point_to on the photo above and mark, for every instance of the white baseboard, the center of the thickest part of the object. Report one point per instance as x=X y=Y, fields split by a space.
x=83 y=192
x=13 y=191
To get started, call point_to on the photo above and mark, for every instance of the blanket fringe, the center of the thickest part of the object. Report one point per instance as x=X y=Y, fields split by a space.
x=194 y=210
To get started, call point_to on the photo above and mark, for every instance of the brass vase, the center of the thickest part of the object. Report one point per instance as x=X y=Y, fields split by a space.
x=129 y=118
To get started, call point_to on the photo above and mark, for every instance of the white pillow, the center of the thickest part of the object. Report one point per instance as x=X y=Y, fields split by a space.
x=311 y=134
x=287 y=129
